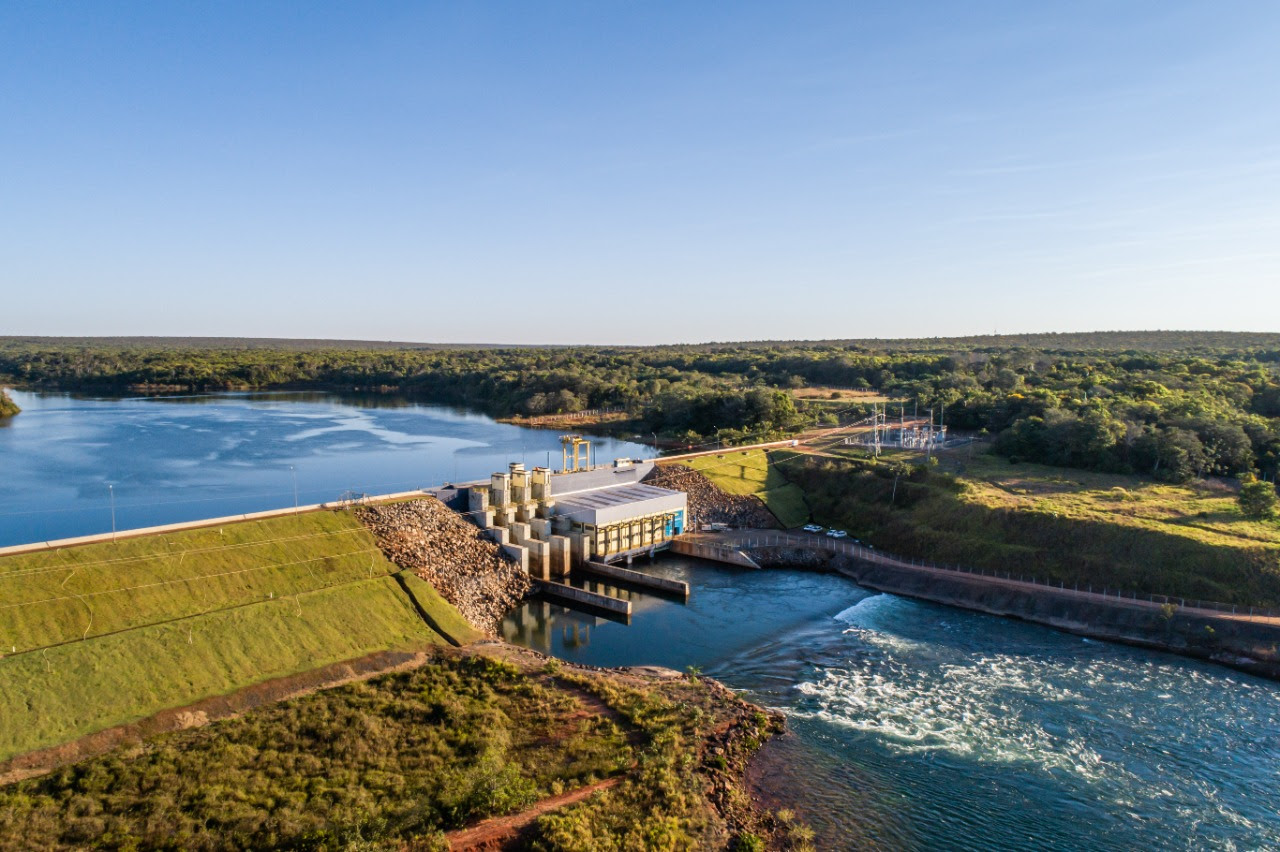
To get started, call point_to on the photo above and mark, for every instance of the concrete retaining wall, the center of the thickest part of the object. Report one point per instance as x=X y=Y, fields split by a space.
x=1252 y=646
x=581 y=596
x=637 y=578
x=714 y=552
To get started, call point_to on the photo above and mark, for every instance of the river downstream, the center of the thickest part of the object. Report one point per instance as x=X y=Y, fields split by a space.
x=919 y=726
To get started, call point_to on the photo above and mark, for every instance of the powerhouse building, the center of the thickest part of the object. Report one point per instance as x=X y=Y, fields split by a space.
x=553 y=521
x=623 y=518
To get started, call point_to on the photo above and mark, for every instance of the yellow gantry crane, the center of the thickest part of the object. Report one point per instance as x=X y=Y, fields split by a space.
x=575 y=453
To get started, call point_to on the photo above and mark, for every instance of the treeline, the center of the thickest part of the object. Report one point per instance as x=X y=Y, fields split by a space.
x=1187 y=405
x=663 y=393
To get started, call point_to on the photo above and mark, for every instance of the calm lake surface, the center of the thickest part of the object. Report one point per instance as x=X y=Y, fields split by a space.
x=918 y=726
x=913 y=726
x=171 y=459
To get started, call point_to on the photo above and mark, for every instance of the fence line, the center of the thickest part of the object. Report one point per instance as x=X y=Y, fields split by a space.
x=871 y=555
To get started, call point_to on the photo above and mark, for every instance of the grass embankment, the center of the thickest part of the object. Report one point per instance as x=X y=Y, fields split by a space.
x=396 y=761
x=78 y=592
x=111 y=633
x=54 y=696
x=1054 y=524
x=753 y=472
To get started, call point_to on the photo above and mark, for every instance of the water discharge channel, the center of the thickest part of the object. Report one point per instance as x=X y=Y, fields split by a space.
x=919 y=726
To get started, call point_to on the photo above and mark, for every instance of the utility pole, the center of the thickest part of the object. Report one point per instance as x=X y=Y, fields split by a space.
x=294 y=474
x=111 y=491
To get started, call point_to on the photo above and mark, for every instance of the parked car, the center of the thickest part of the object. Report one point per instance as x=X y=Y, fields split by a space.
x=813 y=528
x=837 y=533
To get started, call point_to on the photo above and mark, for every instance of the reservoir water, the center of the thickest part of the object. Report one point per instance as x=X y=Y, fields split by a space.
x=180 y=458
x=918 y=726
x=912 y=726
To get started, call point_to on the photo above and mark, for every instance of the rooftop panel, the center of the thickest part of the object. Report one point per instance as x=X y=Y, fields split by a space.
x=621 y=495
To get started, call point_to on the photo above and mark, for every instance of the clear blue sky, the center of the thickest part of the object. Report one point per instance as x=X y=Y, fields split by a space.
x=638 y=172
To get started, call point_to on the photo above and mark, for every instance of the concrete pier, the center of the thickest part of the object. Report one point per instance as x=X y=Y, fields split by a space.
x=580 y=597
x=637 y=578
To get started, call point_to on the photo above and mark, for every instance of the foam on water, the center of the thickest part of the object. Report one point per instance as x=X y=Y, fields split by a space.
x=972 y=710
x=1160 y=740
x=868 y=611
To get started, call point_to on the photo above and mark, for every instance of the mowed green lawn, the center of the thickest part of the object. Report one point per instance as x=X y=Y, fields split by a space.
x=79 y=592
x=750 y=472
x=174 y=618
x=62 y=693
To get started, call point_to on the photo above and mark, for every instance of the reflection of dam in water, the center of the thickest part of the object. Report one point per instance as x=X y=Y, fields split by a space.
x=548 y=626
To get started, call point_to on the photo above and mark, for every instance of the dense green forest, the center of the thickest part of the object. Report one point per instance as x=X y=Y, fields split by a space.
x=1174 y=405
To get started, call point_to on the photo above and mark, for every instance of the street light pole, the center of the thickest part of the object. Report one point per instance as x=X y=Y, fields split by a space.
x=294 y=474
x=111 y=492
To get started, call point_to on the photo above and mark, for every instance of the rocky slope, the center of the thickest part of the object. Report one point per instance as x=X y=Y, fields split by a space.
x=710 y=505
x=468 y=570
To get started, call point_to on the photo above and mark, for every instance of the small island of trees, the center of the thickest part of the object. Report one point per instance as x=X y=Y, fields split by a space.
x=8 y=407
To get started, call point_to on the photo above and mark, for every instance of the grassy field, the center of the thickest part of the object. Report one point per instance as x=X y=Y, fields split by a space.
x=58 y=694
x=106 y=634
x=1053 y=523
x=1205 y=511
x=845 y=394
x=81 y=592
x=752 y=472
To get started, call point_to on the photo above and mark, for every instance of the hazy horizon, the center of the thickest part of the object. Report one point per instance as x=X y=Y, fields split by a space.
x=215 y=341
x=600 y=174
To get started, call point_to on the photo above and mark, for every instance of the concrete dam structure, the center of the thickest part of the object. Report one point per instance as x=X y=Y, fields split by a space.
x=552 y=523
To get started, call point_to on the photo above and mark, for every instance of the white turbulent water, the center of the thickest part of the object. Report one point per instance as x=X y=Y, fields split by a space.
x=1185 y=754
